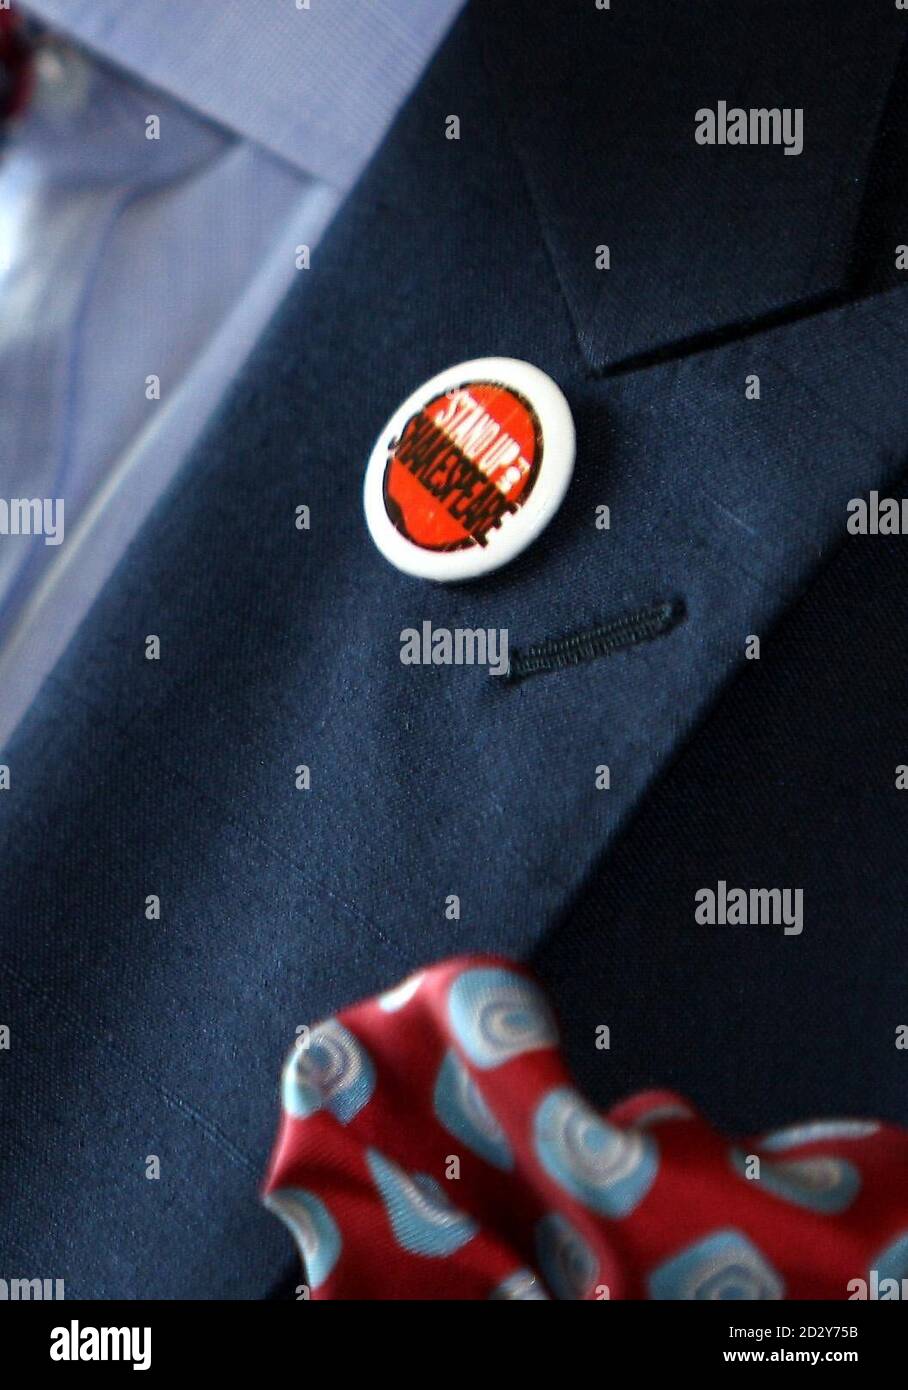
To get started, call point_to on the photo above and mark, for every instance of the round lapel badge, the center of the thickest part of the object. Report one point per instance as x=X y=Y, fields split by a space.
x=470 y=469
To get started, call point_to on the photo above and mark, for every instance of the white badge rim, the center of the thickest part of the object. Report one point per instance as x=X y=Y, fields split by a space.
x=518 y=529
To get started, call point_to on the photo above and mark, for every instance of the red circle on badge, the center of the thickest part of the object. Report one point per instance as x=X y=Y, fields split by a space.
x=461 y=464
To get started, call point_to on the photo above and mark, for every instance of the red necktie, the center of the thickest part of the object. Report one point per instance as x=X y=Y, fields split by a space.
x=432 y=1146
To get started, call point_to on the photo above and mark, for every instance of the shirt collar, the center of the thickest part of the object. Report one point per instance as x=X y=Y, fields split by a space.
x=316 y=86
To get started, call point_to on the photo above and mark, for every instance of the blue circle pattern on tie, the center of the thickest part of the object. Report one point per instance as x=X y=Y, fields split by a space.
x=422 y=1218
x=313 y=1227
x=609 y=1170
x=300 y=1096
x=892 y=1263
x=497 y=1015
x=333 y=1071
x=461 y=1110
x=822 y=1182
x=724 y=1266
x=792 y=1136
x=568 y=1265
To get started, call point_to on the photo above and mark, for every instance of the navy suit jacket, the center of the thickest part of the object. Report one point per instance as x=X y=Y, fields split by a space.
x=176 y=777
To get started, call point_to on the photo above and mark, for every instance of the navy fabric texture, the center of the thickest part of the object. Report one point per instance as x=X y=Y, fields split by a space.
x=280 y=647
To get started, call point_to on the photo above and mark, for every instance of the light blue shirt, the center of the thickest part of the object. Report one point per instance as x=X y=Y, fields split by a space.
x=137 y=273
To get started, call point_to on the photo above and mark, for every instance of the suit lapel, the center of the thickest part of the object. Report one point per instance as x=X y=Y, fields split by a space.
x=601 y=107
